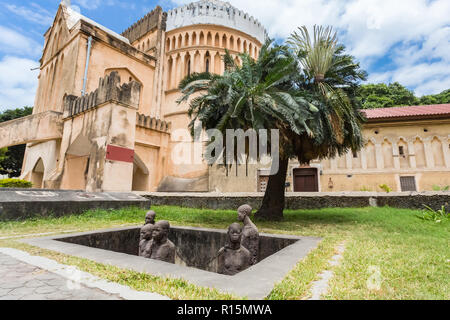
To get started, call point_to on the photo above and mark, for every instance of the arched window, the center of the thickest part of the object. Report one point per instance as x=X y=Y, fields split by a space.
x=55 y=43
x=187 y=65
x=207 y=61
x=217 y=40
x=169 y=73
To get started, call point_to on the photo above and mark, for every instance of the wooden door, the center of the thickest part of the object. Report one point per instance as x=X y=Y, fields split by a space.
x=306 y=180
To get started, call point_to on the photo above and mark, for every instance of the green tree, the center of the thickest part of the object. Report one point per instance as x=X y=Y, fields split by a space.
x=11 y=158
x=304 y=91
x=15 y=113
x=380 y=95
x=443 y=97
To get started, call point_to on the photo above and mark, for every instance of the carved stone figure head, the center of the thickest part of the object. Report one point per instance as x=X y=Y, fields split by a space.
x=235 y=233
x=147 y=232
x=150 y=217
x=244 y=211
x=161 y=231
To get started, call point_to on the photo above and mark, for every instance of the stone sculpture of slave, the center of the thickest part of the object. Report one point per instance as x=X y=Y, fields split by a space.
x=145 y=242
x=233 y=258
x=150 y=217
x=250 y=234
x=161 y=247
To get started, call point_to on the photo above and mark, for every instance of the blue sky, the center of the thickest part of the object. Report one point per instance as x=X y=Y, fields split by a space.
x=395 y=40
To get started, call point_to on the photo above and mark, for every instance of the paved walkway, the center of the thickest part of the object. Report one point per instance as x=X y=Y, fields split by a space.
x=21 y=281
x=27 y=277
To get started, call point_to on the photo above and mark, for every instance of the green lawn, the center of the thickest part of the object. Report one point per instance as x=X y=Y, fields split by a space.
x=390 y=253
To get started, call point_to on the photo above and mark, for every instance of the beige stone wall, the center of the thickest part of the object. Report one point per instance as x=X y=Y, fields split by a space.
x=105 y=59
x=417 y=149
x=42 y=158
x=151 y=148
x=426 y=157
x=58 y=67
x=190 y=49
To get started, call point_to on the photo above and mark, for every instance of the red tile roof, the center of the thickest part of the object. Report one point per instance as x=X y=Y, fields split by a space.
x=430 y=111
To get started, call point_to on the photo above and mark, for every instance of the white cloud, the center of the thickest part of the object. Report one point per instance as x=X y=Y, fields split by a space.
x=17 y=82
x=12 y=41
x=371 y=30
x=34 y=13
x=95 y=4
x=89 y=4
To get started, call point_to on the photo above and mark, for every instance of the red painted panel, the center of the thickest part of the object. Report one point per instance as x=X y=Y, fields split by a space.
x=115 y=153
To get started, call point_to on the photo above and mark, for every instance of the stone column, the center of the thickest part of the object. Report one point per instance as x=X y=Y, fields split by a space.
x=379 y=156
x=222 y=67
x=412 y=155
x=395 y=155
x=363 y=159
x=182 y=72
x=428 y=152
x=174 y=72
x=445 y=151
x=333 y=164
x=212 y=64
x=349 y=160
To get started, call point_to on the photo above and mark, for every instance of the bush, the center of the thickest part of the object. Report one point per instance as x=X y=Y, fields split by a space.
x=434 y=215
x=385 y=188
x=15 y=183
x=439 y=188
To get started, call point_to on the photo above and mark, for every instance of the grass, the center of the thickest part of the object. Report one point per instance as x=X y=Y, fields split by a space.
x=404 y=256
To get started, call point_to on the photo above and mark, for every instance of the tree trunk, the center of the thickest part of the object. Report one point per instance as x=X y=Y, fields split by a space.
x=274 y=199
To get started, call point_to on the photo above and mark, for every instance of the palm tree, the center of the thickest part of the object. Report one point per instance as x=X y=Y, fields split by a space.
x=283 y=89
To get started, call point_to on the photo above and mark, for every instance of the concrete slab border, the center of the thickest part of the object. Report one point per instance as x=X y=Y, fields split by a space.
x=76 y=277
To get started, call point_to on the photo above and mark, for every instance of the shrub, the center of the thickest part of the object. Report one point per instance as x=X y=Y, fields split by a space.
x=15 y=183
x=434 y=215
x=385 y=188
x=439 y=188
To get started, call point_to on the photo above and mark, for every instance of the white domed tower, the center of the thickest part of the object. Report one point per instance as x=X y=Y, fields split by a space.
x=197 y=35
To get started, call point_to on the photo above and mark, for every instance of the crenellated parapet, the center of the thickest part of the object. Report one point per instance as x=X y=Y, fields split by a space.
x=109 y=89
x=152 y=20
x=215 y=12
x=152 y=123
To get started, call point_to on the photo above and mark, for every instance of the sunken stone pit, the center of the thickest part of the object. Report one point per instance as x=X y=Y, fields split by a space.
x=197 y=248
x=196 y=261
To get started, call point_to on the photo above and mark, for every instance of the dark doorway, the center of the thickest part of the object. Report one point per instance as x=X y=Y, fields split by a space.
x=306 y=180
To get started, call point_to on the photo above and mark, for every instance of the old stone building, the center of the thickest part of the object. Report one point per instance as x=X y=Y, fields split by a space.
x=105 y=116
